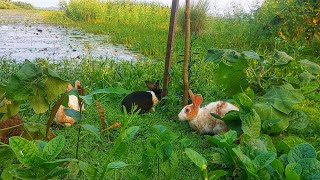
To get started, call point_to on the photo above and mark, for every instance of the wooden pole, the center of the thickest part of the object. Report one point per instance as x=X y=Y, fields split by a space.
x=170 y=43
x=186 y=54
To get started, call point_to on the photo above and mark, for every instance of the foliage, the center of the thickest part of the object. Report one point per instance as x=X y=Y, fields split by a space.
x=37 y=159
x=15 y=5
x=31 y=83
x=198 y=17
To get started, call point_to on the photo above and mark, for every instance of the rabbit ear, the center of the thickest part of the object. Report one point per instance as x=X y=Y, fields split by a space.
x=77 y=84
x=197 y=100
x=191 y=95
x=69 y=87
x=151 y=86
x=158 y=84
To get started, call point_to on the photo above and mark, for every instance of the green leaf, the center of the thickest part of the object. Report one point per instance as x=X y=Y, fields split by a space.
x=88 y=99
x=298 y=120
x=76 y=115
x=58 y=171
x=281 y=58
x=244 y=159
x=23 y=173
x=197 y=159
x=53 y=148
x=284 y=145
x=93 y=130
x=117 y=165
x=293 y=171
x=217 y=158
x=229 y=117
x=277 y=165
x=264 y=159
x=244 y=101
x=217 y=174
x=2 y=90
x=55 y=86
x=306 y=77
x=26 y=152
x=310 y=168
x=129 y=133
x=275 y=126
x=311 y=67
x=251 y=123
x=40 y=145
x=252 y=55
x=38 y=102
x=283 y=98
x=49 y=166
x=301 y=151
x=185 y=142
x=160 y=128
x=89 y=171
x=217 y=55
x=223 y=140
x=6 y=155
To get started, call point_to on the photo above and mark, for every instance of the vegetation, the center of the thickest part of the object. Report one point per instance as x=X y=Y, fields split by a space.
x=273 y=136
x=4 y=4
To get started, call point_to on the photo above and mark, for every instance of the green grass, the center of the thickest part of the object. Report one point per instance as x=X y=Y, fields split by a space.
x=96 y=74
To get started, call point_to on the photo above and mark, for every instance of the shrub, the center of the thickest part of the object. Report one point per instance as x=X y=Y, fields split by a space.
x=198 y=16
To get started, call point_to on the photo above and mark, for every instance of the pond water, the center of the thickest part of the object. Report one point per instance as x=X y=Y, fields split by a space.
x=21 y=40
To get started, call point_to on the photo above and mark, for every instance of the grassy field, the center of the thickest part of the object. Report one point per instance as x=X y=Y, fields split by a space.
x=145 y=30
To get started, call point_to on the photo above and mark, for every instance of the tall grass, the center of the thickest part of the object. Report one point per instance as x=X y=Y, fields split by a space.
x=198 y=16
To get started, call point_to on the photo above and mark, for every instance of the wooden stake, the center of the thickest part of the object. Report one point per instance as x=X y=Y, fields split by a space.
x=172 y=29
x=186 y=54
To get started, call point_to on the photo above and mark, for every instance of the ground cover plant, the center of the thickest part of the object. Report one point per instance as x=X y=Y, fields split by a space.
x=277 y=93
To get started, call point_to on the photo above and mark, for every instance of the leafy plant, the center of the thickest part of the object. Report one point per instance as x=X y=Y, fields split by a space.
x=37 y=159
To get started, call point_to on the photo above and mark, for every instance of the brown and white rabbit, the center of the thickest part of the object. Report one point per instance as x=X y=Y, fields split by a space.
x=144 y=100
x=73 y=103
x=201 y=120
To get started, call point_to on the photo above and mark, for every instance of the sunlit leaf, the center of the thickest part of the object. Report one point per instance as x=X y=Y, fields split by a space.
x=197 y=158
x=298 y=119
x=281 y=58
x=311 y=67
x=217 y=55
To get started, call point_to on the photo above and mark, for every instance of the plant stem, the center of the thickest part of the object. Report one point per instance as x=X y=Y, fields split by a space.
x=77 y=150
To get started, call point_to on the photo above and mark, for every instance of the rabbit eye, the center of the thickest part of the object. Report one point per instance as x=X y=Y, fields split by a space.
x=187 y=110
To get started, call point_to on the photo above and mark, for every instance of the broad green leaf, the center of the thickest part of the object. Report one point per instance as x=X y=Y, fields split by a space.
x=26 y=152
x=76 y=115
x=223 y=140
x=310 y=168
x=232 y=77
x=93 y=130
x=23 y=173
x=264 y=159
x=10 y=110
x=129 y=133
x=251 y=123
x=40 y=145
x=117 y=165
x=217 y=174
x=282 y=98
x=301 y=151
x=160 y=128
x=197 y=159
x=49 y=166
x=89 y=171
x=281 y=58
x=285 y=144
x=58 y=171
x=298 y=119
x=293 y=171
x=311 y=67
x=167 y=150
x=217 y=55
x=277 y=165
x=53 y=148
x=244 y=159
x=6 y=155
x=266 y=111
x=252 y=55
x=255 y=146
x=88 y=99
x=244 y=101
x=275 y=126
x=6 y=171
x=185 y=142
x=229 y=117
x=306 y=77
x=217 y=158
x=39 y=103
x=55 y=86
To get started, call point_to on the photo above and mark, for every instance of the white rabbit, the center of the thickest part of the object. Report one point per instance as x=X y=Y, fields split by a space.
x=201 y=120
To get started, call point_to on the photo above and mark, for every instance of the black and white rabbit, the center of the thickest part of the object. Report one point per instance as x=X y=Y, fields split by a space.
x=144 y=100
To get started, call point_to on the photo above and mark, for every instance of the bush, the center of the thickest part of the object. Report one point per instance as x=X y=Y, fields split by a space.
x=198 y=16
x=23 y=5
